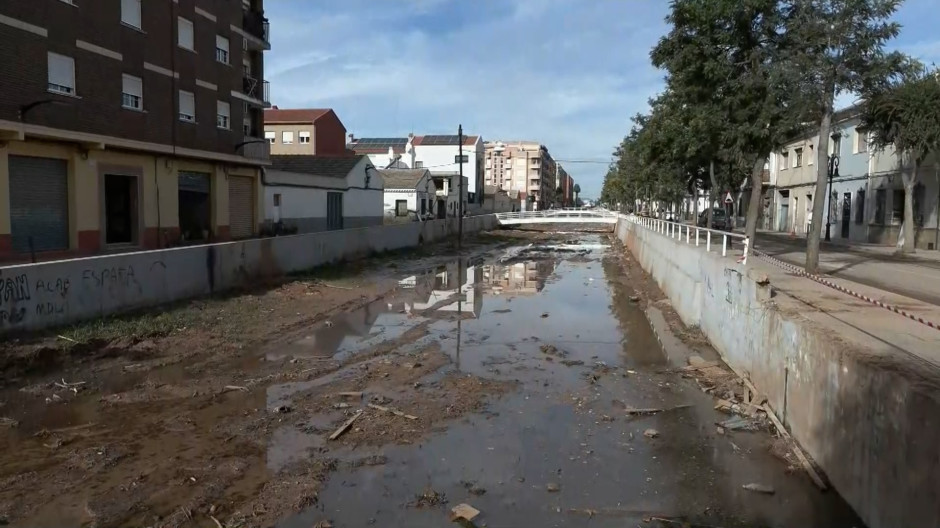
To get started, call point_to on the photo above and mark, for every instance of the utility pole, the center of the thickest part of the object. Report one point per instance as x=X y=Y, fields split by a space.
x=460 y=187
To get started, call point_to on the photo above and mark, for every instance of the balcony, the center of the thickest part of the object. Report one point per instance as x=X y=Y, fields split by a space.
x=256 y=25
x=259 y=92
x=256 y=149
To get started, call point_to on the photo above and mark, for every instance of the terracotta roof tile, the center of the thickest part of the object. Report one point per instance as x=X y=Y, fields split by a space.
x=297 y=115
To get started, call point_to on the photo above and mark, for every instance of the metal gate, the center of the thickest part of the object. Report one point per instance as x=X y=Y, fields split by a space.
x=241 y=206
x=334 y=210
x=39 y=204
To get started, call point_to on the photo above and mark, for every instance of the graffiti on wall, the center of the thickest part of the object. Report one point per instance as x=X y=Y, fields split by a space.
x=29 y=300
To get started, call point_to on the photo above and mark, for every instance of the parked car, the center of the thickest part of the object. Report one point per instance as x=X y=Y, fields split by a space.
x=719 y=219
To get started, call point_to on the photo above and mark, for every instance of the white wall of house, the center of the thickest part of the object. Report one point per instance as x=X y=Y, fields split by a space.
x=303 y=198
x=441 y=159
x=412 y=197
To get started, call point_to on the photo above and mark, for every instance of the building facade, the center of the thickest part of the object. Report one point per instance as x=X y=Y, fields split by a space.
x=523 y=166
x=309 y=131
x=410 y=193
x=129 y=124
x=307 y=194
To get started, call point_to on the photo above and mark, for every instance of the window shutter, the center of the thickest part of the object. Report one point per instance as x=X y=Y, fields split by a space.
x=187 y=104
x=221 y=43
x=130 y=12
x=133 y=85
x=185 y=37
x=61 y=70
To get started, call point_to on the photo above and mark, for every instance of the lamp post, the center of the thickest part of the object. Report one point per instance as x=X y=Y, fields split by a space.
x=833 y=171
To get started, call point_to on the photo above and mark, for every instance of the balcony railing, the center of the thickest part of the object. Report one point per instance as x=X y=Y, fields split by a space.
x=266 y=93
x=256 y=149
x=255 y=24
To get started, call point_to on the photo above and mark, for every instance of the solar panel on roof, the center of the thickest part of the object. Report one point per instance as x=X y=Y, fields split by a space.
x=440 y=140
x=381 y=141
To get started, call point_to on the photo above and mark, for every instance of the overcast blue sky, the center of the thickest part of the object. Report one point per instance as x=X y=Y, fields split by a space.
x=567 y=73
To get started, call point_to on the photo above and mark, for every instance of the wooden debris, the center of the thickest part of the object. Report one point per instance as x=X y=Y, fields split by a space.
x=216 y=521
x=350 y=394
x=807 y=465
x=396 y=412
x=234 y=388
x=463 y=511
x=342 y=429
x=69 y=339
x=701 y=366
x=655 y=411
x=759 y=488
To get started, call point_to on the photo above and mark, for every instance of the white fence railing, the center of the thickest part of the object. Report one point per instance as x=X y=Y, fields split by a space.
x=550 y=215
x=693 y=234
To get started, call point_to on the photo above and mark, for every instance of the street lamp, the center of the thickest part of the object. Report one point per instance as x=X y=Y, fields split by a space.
x=833 y=172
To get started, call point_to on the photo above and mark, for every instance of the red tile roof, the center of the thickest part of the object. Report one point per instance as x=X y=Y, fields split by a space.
x=299 y=115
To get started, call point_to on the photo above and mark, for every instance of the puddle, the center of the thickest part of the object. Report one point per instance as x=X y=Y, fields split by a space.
x=565 y=331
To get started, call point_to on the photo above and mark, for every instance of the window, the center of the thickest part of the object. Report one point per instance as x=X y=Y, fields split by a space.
x=132 y=93
x=130 y=13
x=246 y=66
x=61 y=74
x=277 y=200
x=811 y=156
x=185 y=37
x=798 y=162
x=835 y=146
x=897 y=206
x=221 y=49
x=187 y=107
x=784 y=160
x=861 y=141
x=222 y=114
x=880 y=206
x=287 y=138
x=303 y=137
x=860 y=207
x=419 y=164
x=401 y=207
x=270 y=136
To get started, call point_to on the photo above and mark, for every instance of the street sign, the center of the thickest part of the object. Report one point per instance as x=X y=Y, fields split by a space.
x=728 y=199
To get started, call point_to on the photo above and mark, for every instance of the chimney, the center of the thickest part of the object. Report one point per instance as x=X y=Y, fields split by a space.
x=352 y=138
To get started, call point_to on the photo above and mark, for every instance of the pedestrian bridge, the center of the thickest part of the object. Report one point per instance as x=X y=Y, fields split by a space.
x=558 y=216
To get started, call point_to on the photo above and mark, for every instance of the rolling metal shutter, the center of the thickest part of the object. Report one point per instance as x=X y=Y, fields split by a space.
x=240 y=206
x=39 y=203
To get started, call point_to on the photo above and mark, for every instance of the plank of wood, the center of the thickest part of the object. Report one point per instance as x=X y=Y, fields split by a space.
x=656 y=411
x=396 y=412
x=342 y=429
x=796 y=449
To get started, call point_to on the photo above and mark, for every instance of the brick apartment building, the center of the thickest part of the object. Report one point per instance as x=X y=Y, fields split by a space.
x=305 y=131
x=525 y=167
x=129 y=124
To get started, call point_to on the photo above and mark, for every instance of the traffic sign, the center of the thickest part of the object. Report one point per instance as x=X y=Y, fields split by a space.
x=728 y=199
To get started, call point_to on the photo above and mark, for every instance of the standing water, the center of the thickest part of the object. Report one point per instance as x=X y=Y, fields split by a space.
x=558 y=449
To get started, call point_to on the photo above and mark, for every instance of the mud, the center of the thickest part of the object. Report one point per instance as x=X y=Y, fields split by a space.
x=502 y=379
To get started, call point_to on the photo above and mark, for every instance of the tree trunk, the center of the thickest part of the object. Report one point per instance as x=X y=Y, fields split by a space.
x=753 y=207
x=819 y=197
x=694 y=204
x=708 y=204
x=908 y=225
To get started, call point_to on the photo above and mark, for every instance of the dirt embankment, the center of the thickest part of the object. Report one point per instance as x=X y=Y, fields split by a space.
x=216 y=408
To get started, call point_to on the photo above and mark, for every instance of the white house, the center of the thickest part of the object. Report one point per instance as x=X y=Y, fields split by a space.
x=316 y=193
x=409 y=191
x=438 y=154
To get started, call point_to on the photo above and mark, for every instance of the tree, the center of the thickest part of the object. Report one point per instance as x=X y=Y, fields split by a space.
x=577 y=191
x=833 y=47
x=723 y=59
x=906 y=118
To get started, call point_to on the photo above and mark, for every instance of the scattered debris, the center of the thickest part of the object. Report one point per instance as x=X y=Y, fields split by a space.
x=634 y=298
x=651 y=433
x=759 y=488
x=350 y=394
x=428 y=499
x=544 y=315
x=473 y=488
x=804 y=461
x=740 y=423
x=396 y=412
x=234 y=388
x=74 y=386
x=463 y=511
x=69 y=339
x=282 y=409
x=638 y=412
x=341 y=405
x=552 y=487
x=323 y=524
x=342 y=429
x=216 y=521
x=571 y=362
x=8 y=422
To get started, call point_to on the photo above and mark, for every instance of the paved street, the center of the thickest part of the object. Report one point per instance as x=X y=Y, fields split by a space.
x=917 y=277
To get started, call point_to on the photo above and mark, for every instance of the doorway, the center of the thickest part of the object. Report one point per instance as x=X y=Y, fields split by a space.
x=334 y=210
x=194 y=207
x=846 y=214
x=120 y=209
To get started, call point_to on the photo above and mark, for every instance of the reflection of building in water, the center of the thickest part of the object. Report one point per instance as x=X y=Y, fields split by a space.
x=519 y=278
x=444 y=286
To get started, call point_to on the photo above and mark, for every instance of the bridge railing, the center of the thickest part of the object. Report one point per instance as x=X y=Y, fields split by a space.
x=693 y=234
x=557 y=213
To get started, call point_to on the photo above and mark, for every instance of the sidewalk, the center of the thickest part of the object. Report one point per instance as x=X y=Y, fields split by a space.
x=917 y=277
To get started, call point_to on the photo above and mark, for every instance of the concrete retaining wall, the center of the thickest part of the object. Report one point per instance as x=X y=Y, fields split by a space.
x=868 y=418
x=35 y=296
